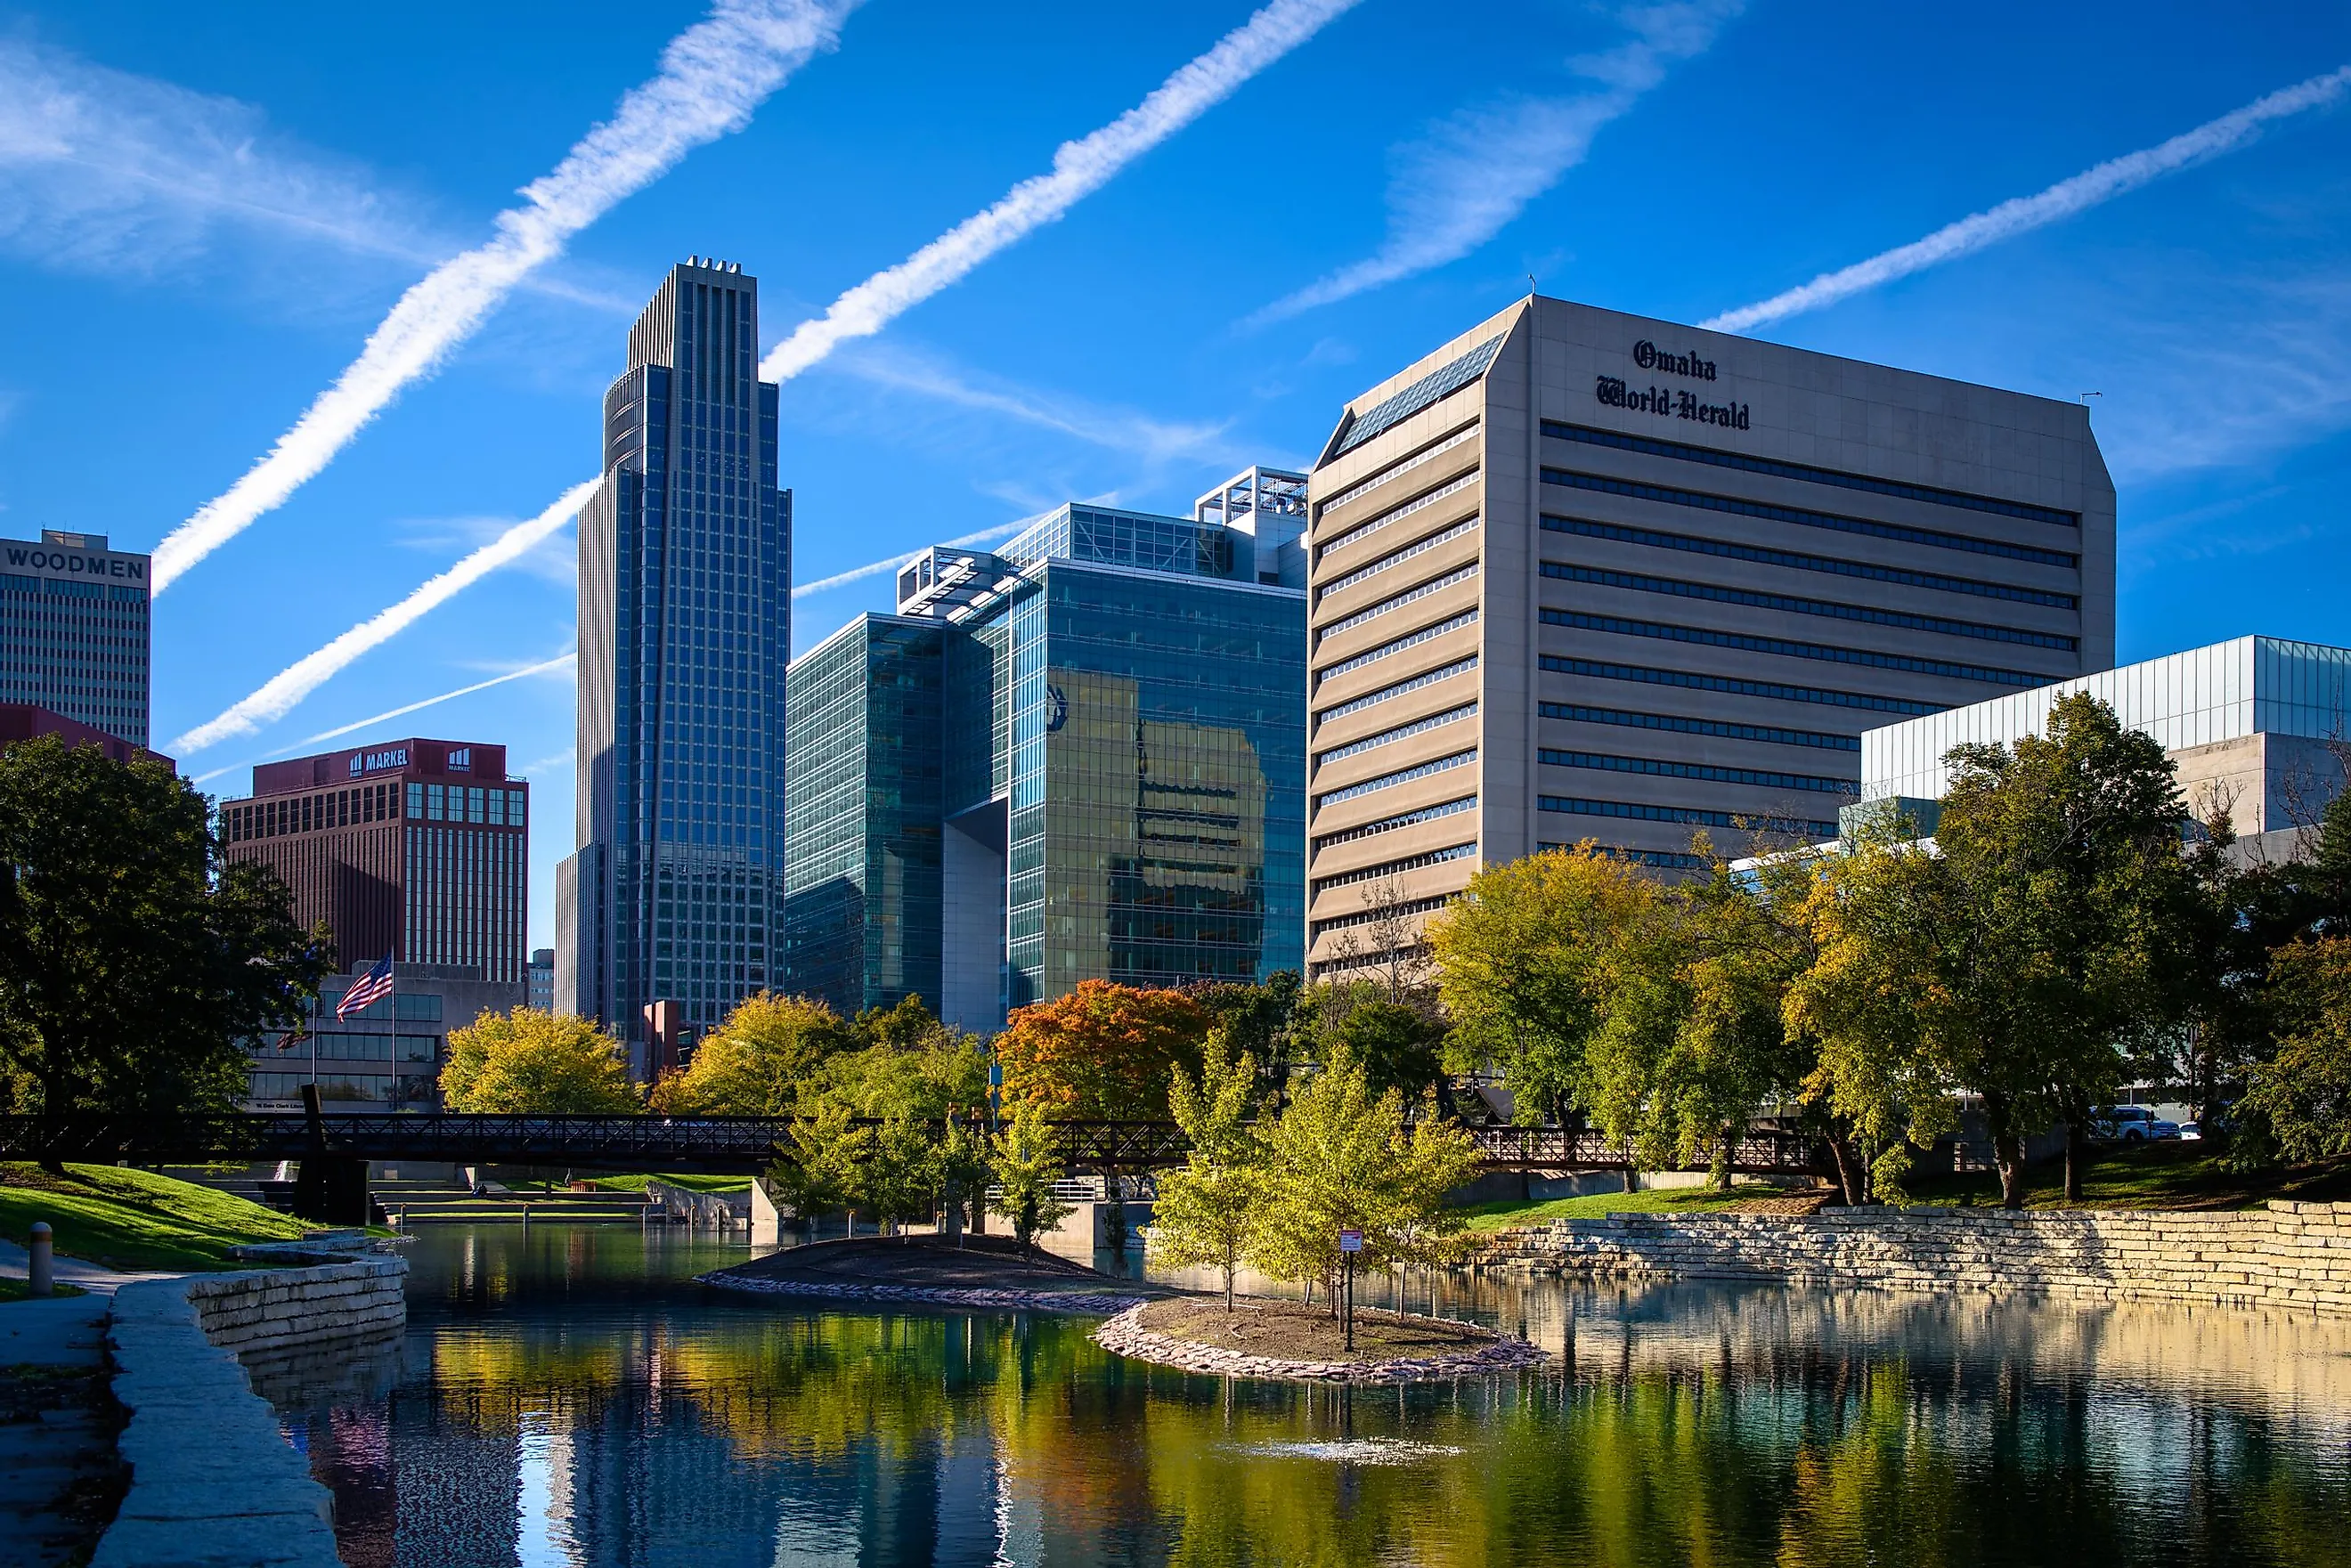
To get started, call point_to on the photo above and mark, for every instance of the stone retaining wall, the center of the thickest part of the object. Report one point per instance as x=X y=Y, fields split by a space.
x=212 y=1481
x=2289 y=1255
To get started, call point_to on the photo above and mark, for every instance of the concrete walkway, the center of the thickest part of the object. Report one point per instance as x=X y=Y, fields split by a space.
x=59 y=1478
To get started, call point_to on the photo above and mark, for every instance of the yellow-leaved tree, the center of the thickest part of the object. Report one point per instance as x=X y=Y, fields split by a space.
x=763 y=1060
x=528 y=1062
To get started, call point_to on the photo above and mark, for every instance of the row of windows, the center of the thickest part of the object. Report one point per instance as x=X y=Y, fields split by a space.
x=1600 y=669
x=1828 y=609
x=1805 y=471
x=1388 y=737
x=1789 y=649
x=1398 y=469
x=1687 y=815
x=1324 y=885
x=1670 y=496
x=71 y=588
x=1722 y=727
x=1418 y=548
x=1397 y=602
x=1671 y=860
x=1390 y=780
x=1398 y=514
x=1799 y=562
x=1389 y=649
x=1373 y=699
x=1392 y=824
x=1404 y=910
x=1603 y=763
x=274 y=816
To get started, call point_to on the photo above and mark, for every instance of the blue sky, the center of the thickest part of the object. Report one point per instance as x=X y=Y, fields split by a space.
x=204 y=214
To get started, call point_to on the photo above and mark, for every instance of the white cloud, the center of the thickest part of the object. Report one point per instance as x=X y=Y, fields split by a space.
x=1079 y=169
x=1478 y=170
x=2093 y=186
x=713 y=75
x=277 y=696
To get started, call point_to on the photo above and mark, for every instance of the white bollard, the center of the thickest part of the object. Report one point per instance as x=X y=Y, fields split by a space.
x=41 y=1274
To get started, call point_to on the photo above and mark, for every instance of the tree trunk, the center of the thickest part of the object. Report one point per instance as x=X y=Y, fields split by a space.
x=2077 y=1149
x=2008 y=1152
x=54 y=1167
x=1851 y=1188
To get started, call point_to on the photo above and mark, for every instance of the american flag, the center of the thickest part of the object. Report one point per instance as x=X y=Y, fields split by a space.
x=366 y=991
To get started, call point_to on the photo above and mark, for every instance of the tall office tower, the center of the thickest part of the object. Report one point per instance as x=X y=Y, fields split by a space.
x=1581 y=575
x=685 y=630
x=416 y=851
x=73 y=631
x=1081 y=756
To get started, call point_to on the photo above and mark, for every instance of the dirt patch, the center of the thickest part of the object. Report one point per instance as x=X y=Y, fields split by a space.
x=1295 y=1332
x=1798 y=1206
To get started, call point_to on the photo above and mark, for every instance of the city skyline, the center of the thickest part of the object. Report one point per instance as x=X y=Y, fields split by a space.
x=2196 y=301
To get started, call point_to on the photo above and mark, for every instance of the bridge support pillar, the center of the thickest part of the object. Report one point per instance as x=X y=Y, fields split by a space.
x=333 y=1189
x=767 y=1219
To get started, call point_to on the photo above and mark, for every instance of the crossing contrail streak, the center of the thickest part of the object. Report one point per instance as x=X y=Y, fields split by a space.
x=713 y=75
x=277 y=696
x=876 y=568
x=2088 y=189
x=1079 y=169
x=341 y=730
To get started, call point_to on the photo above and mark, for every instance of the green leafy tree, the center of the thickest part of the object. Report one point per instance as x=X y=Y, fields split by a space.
x=135 y=962
x=1262 y=1020
x=2303 y=1092
x=1027 y=1160
x=529 y=1062
x=818 y=1170
x=769 y=1054
x=1399 y=1045
x=1208 y=1208
x=894 y=1173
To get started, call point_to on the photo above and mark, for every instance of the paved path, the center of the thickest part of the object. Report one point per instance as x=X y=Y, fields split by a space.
x=58 y=1481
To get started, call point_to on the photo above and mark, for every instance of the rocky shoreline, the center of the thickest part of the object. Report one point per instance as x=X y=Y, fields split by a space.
x=1125 y=1335
x=1076 y=1302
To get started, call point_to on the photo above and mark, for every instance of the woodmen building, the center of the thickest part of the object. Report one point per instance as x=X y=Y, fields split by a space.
x=1582 y=575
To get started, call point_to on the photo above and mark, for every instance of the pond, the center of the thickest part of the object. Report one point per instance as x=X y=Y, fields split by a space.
x=568 y=1396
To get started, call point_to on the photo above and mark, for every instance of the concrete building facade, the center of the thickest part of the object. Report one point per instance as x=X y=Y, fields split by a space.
x=74 y=635
x=676 y=889
x=1078 y=757
x=1581 y=575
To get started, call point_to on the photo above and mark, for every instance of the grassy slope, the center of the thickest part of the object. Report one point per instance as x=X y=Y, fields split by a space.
x=636 y=1183
x=135 y=1219
x=1498 y=1215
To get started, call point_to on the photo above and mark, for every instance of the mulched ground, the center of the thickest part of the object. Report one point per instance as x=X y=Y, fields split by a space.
x=1297 y=1332
x=1803 y=1204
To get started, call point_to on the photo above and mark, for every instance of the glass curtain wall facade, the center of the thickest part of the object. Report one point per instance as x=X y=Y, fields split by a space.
x=685 y=590
x=1112 y=714
x=74 y=635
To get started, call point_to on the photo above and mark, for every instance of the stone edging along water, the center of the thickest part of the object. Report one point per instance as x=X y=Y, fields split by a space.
x=929 y=1295
x=2288 y=1255
x=212 y=1478
x=1125 y=1335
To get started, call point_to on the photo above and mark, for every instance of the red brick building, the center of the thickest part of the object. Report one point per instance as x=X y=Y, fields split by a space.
x=418 y=848
x=23 y=721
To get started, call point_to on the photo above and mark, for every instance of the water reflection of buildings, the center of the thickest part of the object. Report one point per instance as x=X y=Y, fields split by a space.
x=1079 y=756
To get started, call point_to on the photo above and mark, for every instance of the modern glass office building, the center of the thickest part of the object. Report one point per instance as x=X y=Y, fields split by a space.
x=684 y=627
x=73 y=633
x=1079 y=756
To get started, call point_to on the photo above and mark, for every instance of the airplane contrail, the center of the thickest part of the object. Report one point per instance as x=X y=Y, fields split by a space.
x=2088 y=189
x=341 y=730
x=711 y=77
x=1079 y=169
x=277 y=697
x=876 y=568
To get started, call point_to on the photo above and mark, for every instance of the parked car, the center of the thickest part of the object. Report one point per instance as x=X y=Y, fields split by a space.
x=2161 y=1132
x=2124 y=1124
x=2191 y=1131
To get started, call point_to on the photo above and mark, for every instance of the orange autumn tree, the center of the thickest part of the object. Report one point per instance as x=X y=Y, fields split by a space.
x=1103 y=1052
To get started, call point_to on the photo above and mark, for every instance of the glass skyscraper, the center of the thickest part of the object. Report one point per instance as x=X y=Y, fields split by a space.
x=1080 y=756
x=684 y=592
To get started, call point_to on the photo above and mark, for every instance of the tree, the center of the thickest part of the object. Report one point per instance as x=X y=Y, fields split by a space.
x=894 y=1170
x=1208 y=1208
x=761 y=1061
x=136 y=964
x=1103 y=1052
x=1027 y=1160
x=819 y=1169
x=528 y=1062
x=1398 y=1044
x=2303 y=1092
x=1259 y=1020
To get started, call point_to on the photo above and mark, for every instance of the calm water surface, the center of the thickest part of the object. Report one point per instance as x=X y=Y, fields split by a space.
x=567 y=1395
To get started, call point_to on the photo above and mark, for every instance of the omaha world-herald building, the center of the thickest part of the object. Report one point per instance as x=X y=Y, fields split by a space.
x=684 y=628
x=1078 y=757
x=1579 y=575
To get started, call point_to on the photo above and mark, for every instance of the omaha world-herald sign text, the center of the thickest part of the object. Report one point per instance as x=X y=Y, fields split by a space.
x=1670 y=402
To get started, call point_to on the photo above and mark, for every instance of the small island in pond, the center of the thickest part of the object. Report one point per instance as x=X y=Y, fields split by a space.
x=1289 y=1340
x=992 y=1272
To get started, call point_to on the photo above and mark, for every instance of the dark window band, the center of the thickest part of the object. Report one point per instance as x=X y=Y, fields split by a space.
x=1792 y=650
x=1796 y=606
x=1603 y=763
x=1675 y=860
x=1574 y=807
x=1601 y=669
x=1604 y=486
x=1811 y=474
x=1587 y=529
x=1699 y=727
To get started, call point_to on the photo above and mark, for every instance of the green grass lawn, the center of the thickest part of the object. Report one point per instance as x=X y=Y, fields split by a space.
x=636 y=1181
x=135 y=1219
x=1502 y=1214
x=2185 y=1175
x=21 y=1289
